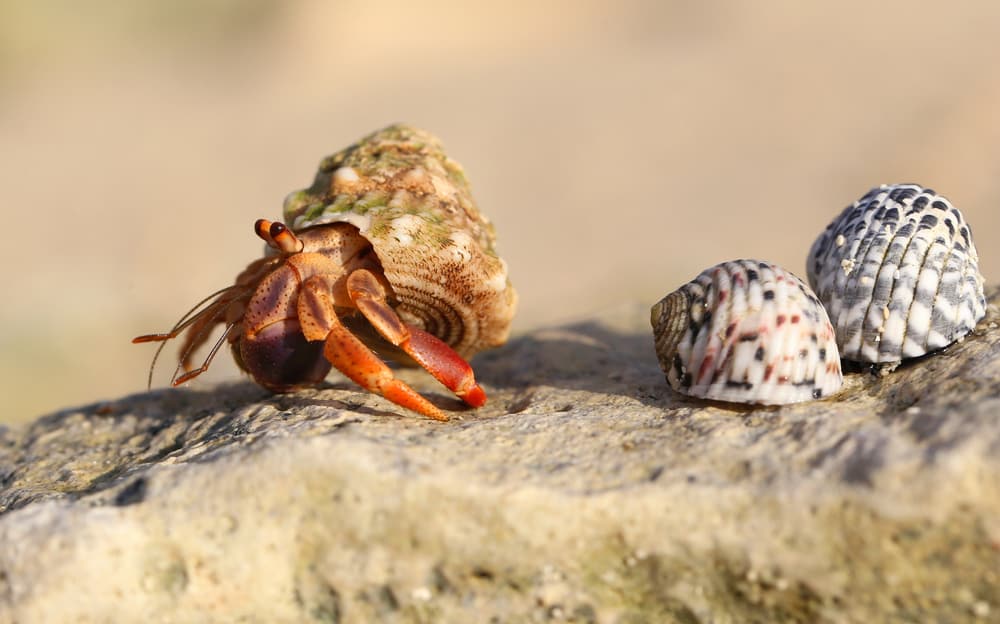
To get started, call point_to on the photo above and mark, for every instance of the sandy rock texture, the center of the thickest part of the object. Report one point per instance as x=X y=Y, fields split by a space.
x=585 y=491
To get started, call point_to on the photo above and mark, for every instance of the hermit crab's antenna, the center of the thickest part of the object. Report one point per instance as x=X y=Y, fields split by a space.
x=191 y=316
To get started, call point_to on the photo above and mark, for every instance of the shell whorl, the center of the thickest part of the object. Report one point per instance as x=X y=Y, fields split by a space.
x=413 y=203
x=898 y=272
x=670 y=317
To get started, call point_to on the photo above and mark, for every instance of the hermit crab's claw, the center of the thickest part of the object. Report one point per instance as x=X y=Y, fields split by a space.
x=427 y=350
x=354 y=359
x=447 y=366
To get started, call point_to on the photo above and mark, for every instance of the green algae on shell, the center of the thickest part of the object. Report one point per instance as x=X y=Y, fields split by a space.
x=413 y=204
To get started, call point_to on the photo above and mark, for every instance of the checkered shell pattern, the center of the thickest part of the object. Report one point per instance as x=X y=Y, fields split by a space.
x=749 y=332
x=899 y=275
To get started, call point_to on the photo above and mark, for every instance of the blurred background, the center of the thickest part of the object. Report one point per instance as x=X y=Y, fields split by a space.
x=620 y=148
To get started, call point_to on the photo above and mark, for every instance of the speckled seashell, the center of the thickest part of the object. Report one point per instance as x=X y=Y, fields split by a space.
x=748 y=332
x=899 y=274
x=413 y=203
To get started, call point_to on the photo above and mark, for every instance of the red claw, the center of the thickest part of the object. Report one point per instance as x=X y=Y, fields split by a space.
x=447 y=366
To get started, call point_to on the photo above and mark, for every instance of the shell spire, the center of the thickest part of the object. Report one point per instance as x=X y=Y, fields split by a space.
x=413 y=203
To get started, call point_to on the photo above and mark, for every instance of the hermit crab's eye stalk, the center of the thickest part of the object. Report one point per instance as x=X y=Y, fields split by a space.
x=277 y=235
x=287 y=242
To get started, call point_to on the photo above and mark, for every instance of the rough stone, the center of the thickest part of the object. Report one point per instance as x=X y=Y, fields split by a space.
x=585 y=491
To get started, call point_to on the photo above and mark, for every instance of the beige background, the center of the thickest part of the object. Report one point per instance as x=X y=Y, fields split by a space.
x=619 y=147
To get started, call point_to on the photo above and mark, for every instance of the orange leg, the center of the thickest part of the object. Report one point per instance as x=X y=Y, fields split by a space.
x=198 y=325
x=349 y=355
x=429 y=351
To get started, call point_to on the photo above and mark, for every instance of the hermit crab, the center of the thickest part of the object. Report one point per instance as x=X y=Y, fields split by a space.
x=746 y=331
x=386 y=252
x=898 y=273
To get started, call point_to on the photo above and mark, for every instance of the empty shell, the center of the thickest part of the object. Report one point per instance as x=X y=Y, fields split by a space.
x=749 y=332
x=899 y=274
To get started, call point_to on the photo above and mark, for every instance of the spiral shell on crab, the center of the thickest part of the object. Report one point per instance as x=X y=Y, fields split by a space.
x=413 y=204
x=898 y=273
x=746 y=331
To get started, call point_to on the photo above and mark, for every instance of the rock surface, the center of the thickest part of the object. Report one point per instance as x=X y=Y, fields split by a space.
x=585 y=491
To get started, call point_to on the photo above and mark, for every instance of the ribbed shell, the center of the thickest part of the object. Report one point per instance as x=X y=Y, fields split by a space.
x=899 y=274
x=749 y=332
x=414 y=205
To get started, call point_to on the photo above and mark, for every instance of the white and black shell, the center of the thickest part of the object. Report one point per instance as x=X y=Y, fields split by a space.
x=898 y=273
x=749 y=332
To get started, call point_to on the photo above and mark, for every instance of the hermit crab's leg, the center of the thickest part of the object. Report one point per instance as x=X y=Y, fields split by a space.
x=194 y=316
x=191 y=374
x=200 y=331
x=348 y=354
x=429 y=351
